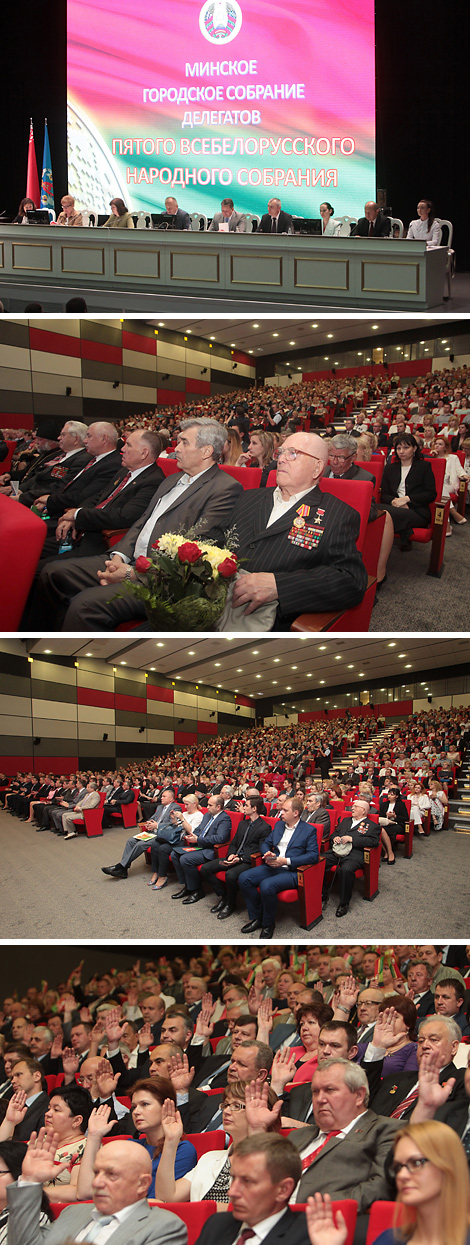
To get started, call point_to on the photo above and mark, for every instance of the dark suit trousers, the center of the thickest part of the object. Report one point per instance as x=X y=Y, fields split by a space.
x=404 y=518
x=188 y=864
x=227 y=889
x=261 y=904
x=346 y=866
x=69 y=594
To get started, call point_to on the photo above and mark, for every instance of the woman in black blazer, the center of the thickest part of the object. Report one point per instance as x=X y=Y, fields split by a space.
x=408 y=488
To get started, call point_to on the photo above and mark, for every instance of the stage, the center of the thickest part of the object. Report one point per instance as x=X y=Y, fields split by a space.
x=300 y=271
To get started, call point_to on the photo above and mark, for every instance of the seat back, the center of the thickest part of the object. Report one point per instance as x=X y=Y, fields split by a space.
x=395 y=220
x=193 y=1214
x=357 y=494
x=204 y=1142
x=198 y=221
x=250 y=477
x=375 y=467
x=382 y=1217
x=252 y=221
x=22 y=538
x=447 y=231
x=168 y=465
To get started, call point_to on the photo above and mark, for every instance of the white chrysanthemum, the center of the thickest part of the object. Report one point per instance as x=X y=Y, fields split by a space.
x=170 y=544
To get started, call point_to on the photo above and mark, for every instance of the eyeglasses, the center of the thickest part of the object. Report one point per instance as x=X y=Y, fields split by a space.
x=234 y=1106
x=4 y=1172
x=340 y=458
x=413 y=1165
x=292 y=454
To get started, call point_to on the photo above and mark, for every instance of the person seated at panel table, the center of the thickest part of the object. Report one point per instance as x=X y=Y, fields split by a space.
x=275 y=220
x=297 y=545
x=425 y=228
x=183 y=219
x=68 y=215
x=236 y=221
x=21 y=218
x=120 y=217
x=408 y=488
x=328 y=226
x=373 y=224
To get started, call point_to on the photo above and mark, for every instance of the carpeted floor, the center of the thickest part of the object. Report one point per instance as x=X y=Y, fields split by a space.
x=52 y=889
x=411 y=600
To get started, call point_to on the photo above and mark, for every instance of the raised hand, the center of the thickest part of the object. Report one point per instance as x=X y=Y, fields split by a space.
x=99 y=1123
x=385 y=1030
x=204 y=1027
x=265 y=1019
x=431 y=1093
x=114 y=1026
x=106 y=1080
x=56 y=1048
x=181 y=1075
x=347 y=993
x=86 y=1016
x=17 y=1108
x=255 y=998
x=145 y=1036
x=283 y=1069
x=321 y=1226
x=70 y=1061
x=259 y=1115
x=172 y=1123
x=38 y=1163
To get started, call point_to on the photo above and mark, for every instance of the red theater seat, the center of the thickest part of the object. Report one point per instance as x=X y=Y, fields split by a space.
x=348 y=1208
x=381 y=1217
x=22 y=535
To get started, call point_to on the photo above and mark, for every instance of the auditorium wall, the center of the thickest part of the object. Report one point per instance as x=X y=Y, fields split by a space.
x=108 y=369
x=56 y=712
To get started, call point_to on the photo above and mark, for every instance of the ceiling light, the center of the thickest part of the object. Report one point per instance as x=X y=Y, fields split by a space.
x=160 y=644
x=161 y=324
x=393 y=644
x=322 y=680
x=338 y=657
x=255 y=326
x=275 y=334
x=217 y=663
x=152 y=667
x=88 y=654
x=255 y=652
x=374 y=326
x=190 y=652
x=322 y=647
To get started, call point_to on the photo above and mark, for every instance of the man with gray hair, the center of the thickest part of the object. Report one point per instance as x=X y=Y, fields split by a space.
x=297 y=544
x=359 y=831
x=200 y=496
x=104 y=461
x=344 y=1152
x=56 y=468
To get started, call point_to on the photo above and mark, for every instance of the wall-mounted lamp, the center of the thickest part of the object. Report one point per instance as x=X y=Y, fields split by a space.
x=116 y=384
x=203 y=371
x=68 y=391
x=165 y=376
x=212 y=715
x=141 y=730
x=105 y=737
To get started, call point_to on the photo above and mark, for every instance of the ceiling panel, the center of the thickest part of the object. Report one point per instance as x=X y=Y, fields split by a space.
x=271 y=334
x=268 y=666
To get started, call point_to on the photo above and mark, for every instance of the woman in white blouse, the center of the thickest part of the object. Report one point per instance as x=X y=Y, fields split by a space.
x=426 y=228
x=328 y=225
x=454 y=473
x=420 y=803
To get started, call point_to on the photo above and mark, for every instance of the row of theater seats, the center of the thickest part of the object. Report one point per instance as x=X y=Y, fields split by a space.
x=196 y=1214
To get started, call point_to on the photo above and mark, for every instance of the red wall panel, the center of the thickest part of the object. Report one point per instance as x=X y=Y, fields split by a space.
x=207 y=728
x=101 y=352
x=132 y=704
x=170 y=397
x=137 y=341
x=91 y=696
x=409 y=367
x=56 y=765
x=54 y=343
x=17 y=421
x=160 y=693
x=197 y=386
x=185 y=737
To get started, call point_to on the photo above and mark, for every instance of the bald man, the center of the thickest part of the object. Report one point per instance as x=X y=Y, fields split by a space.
x=297 y=545
x=122 y=1176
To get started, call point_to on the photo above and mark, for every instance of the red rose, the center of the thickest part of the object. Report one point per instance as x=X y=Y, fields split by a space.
x=143 y=564
x=189 y=552
x=227 y=567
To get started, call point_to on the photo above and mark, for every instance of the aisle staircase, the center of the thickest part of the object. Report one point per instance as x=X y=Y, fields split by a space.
x=459 y=805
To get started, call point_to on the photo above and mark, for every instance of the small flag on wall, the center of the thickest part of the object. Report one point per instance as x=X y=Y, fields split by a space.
x=32 y=179
x=47 y=186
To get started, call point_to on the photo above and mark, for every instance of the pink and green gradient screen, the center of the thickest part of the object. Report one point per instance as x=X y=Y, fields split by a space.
x=227 y=98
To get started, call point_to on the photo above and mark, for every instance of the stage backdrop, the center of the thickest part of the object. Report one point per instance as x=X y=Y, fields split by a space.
x=219 y=98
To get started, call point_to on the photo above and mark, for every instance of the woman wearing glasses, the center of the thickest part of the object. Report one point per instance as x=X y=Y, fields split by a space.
x=433 y=1193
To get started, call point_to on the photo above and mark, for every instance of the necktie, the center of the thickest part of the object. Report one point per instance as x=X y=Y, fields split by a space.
x=95 y=1228
x=58 y=459
x=118 y=489
x=274 y=225
x=371 y=229
x=206 y=828
x=306 y=1162
x=245 y=1235
x=403 y=1107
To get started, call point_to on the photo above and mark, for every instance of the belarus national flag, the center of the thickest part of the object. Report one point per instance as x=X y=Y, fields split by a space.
x=32 y=180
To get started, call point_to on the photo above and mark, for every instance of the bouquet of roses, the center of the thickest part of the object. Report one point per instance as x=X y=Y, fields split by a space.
x=184 y=583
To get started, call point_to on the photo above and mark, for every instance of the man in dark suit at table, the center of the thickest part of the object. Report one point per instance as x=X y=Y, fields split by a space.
x=361 y=833
x=182 y=218
x=198 y=846
x=297 y=544
x=247 y=838
x=200 y=497
x=265 y=1170
x=275 y=220
x=373 y=224
x=291 y=843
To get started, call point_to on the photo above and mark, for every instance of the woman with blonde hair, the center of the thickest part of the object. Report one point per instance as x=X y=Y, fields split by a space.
x=364 y=447
x=260 y=453
x=232 y=448
x=433 y=1193
x=454 y=473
